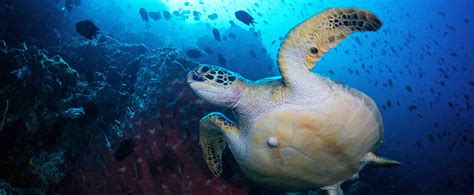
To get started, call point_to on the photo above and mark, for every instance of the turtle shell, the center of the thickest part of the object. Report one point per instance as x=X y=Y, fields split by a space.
x=296 y=147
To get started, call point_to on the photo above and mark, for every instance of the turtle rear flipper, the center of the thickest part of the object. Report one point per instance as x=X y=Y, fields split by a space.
x=212 y=131
x=375 y=160
x=306 y=43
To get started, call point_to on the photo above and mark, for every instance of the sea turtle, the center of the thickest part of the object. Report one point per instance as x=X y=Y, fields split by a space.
x=301 y=130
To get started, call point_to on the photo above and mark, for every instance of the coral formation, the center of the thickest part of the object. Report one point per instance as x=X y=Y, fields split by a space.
x=70 y=122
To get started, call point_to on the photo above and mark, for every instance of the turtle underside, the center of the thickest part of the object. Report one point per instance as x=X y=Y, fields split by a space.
x=318 y=145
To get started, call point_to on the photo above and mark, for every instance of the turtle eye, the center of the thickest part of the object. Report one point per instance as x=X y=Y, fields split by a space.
x=197 y=78
x=313 y=50
x=204 y=69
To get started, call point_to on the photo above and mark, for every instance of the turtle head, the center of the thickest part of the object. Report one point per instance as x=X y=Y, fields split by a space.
x=216 y=85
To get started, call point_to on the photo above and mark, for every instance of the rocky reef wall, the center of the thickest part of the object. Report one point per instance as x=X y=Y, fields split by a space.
x=63 y=119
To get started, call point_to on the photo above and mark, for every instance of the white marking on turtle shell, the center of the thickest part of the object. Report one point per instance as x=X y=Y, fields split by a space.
x=272 y=142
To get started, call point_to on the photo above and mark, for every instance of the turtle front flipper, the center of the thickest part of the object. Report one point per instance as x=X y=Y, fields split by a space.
x=305 y=44
x=334 y=189
x=212 y=131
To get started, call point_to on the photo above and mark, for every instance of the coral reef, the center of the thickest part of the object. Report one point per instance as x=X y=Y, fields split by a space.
x=65 y=124
x=35 y=89
x=95 y=56
x=166 y=158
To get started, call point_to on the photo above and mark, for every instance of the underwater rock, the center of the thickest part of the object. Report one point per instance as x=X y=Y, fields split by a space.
x=57 y=66
x=3 y=45
x=113 y=77
x=124 y=149
x=35 y=89
x=157 y=73
x=38 y=93
x=44 y=83
x=47 y=166
x=159 y=117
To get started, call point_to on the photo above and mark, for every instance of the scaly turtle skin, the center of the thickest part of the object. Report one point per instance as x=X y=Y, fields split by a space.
x=301 y=130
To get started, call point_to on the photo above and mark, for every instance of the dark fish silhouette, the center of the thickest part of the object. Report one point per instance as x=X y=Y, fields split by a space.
x=221 y=59
x=154 y=15
x=232 y=35
x=217 y=34
x=408 y=88
x=196 y=15
x=431 y=138
x=144 y=14
x=273 y=42
x=213 y=16
x=166 y=15
x=252 y=54
x=418 y=144
x=358 y=41
x=177 y=14
x=125 y=149
x=244 y=17
x=412 y=108
x=87 y=29
x=193 y=53
x=451 y=105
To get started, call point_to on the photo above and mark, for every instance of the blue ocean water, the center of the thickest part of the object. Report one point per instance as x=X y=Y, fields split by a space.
x=418 y=68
